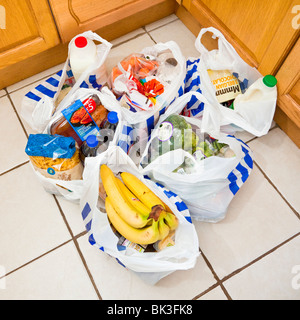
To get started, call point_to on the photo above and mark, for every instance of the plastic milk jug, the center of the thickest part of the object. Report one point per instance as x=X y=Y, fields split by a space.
x=83 y=53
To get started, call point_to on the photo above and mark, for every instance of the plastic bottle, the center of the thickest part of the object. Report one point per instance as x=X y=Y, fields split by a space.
x=107 y=132
x=89 y=148
x=261 y=90
x=83 y=53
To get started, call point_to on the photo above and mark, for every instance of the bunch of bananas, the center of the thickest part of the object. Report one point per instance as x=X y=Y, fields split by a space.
x=134 y=210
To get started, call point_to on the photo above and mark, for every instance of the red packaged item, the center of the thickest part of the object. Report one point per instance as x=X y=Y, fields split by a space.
x=80 y=120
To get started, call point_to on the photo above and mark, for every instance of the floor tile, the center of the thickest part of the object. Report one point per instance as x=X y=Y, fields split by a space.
x=128 y=36
x=258 y=219
x=179 y=33
x=2 y=93
x=278 y=157
x=72 y=213
x=17 y=98
x=161 y=22
x=274 y=277
x=30 y=222
x=59 y=275
x=122 y=51
x=115 y=282
x=12 y=137
x=35 y=78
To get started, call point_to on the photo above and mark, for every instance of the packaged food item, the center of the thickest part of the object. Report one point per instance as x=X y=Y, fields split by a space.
x=128 y=244
x=140 y=79
x=83 y=54
x=80 y=120
x=226 y=84
x=55 y=156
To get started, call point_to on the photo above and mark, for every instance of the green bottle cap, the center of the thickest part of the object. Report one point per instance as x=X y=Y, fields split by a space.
x=270 y=81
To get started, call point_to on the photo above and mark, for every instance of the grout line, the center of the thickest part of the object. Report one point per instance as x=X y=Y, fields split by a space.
x=281 y=195
x=218 y=283
x=16 y=167
x=87 y=268
x=129 y=39
x=232 y=274
x=17 y=114
x=163 y=25
x=260 y=257
x=35 y=259
x=149 y=35
x=74 y=239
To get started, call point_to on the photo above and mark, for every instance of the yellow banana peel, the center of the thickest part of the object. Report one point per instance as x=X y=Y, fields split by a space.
x=141 y=191
x=120 y=203
x=144 y=236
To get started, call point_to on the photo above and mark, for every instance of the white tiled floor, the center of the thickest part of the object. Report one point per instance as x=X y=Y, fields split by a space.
x=254 y=253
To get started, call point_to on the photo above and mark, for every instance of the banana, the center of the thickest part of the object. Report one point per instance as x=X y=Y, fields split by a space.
x=171 y=220
x=141 y=191
x=147 y=235
x=136 y=203
x=126 y=211
x=164 y=230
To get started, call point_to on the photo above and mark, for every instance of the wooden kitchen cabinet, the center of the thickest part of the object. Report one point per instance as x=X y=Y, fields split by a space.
x=110 y=17
x=29 y=30
x=287 y=115
x=261 y=31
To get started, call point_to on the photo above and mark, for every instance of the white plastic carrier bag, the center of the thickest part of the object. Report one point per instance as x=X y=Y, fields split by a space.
x=150 y=266
x=211 y=183
x=256 y=118
x=40 y=104
x=141 y=108
x=70 y=186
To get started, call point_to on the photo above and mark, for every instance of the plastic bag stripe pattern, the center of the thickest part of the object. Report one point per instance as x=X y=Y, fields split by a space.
x=181 y=206
x=192 y=83
x=240 y=174
x=50 y=87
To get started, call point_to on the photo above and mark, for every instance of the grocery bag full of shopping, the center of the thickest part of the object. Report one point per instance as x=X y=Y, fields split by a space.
x=140 y=242
x=205 y=172
x=146 y=82
x=241 y=98
x=39 y=105
x=85 y=115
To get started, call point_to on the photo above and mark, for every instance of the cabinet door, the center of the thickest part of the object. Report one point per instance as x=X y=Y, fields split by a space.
x=289 y=94
x=76 y=16
x=261 y=31
x=27 y=29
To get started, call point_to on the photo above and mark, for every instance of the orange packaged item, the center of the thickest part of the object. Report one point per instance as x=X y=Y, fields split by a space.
x=133 y=81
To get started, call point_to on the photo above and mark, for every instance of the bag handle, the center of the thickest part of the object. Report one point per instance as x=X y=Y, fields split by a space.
x=216 y=34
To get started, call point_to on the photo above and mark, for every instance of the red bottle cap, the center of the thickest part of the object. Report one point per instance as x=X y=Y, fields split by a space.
x=81 y=42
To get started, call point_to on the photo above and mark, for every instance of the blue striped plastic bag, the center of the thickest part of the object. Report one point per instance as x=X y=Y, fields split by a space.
x=150 y=266
x=72 y=190
x=209 y=191
x=39 y=105
x=144 y=121
x=257 y=120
